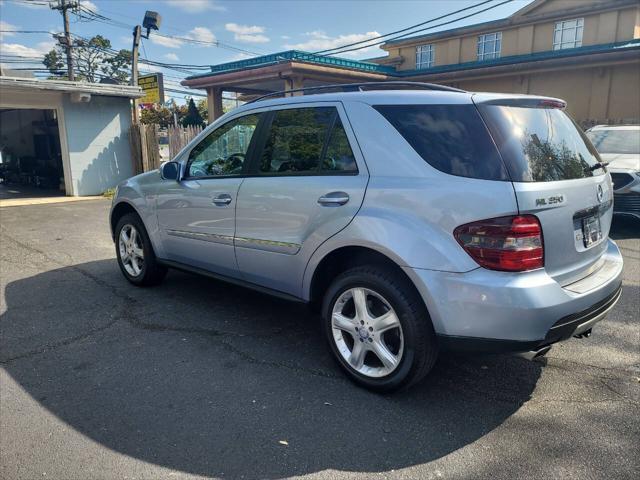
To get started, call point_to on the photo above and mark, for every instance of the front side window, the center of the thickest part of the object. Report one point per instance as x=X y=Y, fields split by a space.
x=425 y=55
x=306 y=141
x=489 y=45
x=451 y=138
x=223 y=151
x=568 y=34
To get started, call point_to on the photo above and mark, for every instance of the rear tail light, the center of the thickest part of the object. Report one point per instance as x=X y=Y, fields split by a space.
x=511 y=244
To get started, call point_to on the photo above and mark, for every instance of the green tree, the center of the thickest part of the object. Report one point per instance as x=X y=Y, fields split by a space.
x=92 y=60
x=56 y=63
x=119 y=66
x=193 y=116
x=160 y=116
x=203 y=109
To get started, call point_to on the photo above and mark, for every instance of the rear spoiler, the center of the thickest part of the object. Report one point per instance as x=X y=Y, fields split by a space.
x=529 y=101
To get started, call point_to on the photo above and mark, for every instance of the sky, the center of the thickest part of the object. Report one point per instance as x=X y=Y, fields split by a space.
x=242 y=28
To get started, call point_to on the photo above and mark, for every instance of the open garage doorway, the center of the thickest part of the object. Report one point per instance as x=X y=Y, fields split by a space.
x=30 y=153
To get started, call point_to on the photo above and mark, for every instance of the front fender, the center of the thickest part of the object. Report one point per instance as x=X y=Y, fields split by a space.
x=140 y=194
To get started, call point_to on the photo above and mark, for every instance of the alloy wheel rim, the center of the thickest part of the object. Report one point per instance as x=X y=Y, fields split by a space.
x=131 y=252
x=367 y=332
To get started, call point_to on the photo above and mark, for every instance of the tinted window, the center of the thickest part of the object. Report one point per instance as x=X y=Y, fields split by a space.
x=223 y=151
x=451 y=138
x=339 y=156
x=616 y=141
x=540 y=144
x=296 y=139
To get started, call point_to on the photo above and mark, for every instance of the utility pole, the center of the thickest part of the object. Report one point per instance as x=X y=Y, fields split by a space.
x=64 y=6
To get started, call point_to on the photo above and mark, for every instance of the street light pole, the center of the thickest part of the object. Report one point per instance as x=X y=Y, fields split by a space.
x=137 y=30
x=151 y=21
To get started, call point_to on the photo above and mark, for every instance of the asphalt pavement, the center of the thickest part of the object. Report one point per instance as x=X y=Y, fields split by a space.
x=197 y=378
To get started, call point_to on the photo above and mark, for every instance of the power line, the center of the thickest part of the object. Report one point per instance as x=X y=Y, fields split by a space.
x=404 y=29
x=110 y=21
x=424 y=29
x=25 y=31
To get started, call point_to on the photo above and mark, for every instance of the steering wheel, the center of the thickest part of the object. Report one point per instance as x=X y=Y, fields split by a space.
x=197 y=171
x=234 y=162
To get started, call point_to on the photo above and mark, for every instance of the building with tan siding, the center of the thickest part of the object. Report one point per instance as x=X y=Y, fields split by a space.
x=586 y=52
x=570 y=49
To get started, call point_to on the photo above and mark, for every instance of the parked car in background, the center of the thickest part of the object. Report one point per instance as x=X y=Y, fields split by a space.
x=619 y=146
x=163 y=146
x=416 y=220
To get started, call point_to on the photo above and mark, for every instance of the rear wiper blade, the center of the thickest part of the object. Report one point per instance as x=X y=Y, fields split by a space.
x=596 y=166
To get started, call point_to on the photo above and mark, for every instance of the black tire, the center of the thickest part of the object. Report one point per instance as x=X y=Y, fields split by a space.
x=152 y=273
x=420 y=347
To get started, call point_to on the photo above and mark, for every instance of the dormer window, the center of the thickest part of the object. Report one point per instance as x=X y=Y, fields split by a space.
x=568 y=34
x=489 y=45
x=424 y=56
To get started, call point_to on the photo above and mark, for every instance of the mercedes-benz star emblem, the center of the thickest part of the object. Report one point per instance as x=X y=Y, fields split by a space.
x=600 y=194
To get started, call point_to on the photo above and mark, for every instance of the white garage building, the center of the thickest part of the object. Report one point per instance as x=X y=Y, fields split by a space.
x=69 y=137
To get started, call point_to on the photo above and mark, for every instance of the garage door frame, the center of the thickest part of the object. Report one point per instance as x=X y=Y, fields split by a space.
x=45 y=101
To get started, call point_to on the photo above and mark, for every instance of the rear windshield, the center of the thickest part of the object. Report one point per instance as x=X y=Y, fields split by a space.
x=616 y=141
x=451 y=138
x=540 y=144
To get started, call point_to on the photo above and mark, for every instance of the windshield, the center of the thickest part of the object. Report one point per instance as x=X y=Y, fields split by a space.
x=541 y=144
x=616 y=141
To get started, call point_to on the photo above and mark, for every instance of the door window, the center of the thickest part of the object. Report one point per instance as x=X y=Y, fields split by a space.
x=306 y=141
x=223 y=151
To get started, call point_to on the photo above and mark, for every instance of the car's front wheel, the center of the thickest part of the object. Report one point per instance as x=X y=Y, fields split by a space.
x=378 y=328
x=136 y=257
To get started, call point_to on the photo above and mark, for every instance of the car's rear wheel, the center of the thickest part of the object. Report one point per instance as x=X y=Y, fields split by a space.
x=378 y=328
x=135 y=254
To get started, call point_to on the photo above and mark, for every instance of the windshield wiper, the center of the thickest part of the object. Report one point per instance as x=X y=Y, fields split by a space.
x=596 y=166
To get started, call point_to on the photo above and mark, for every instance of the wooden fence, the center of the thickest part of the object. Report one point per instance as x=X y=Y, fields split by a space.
x=180 y=136
x=144 y=147
x=145 y=150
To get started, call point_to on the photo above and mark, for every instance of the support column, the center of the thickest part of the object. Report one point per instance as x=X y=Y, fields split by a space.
x=599 y=96
x=214 y=103
x=293 y=83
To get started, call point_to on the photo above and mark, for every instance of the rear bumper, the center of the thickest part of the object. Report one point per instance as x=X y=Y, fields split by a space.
x=563 y=329
x=490 y=311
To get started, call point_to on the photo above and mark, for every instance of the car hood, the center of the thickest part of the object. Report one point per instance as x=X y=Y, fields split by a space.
x=622 y=161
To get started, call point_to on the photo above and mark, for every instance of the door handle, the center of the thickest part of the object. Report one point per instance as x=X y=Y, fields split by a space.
x=333 y=199
x=222 y=199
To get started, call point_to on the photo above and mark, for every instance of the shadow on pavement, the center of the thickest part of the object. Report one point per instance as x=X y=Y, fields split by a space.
x=623 y=228
x=207 y=378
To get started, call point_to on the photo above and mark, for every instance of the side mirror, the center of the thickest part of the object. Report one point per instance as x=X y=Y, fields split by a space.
x=170 y=171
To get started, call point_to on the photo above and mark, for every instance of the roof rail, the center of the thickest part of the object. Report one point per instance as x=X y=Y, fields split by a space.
x=361 y=87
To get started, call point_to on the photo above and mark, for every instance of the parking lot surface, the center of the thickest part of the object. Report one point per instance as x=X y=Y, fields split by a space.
x=197 y=378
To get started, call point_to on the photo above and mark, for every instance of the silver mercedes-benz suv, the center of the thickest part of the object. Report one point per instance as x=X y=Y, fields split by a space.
x=415 y=217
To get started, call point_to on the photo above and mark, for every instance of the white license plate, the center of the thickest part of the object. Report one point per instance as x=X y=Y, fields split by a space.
x=591 y=230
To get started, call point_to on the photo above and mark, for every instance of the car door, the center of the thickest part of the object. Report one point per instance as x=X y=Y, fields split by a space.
x=197 y=214
x=306 y=183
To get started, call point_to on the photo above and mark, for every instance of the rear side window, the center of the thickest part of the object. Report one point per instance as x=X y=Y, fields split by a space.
x=307 y=141
x=540 y=144
x=451 y=138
